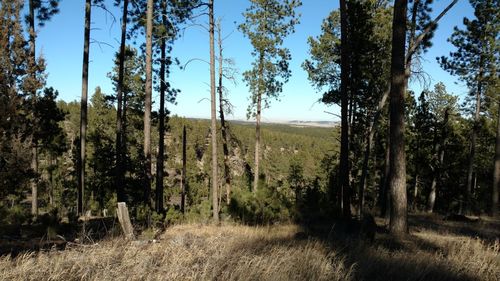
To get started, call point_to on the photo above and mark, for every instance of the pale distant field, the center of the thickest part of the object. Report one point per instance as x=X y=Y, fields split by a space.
x=235 y=252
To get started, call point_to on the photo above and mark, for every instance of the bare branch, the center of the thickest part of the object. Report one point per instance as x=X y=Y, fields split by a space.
x=331 y=113
x=420 y=37
x=191 y=60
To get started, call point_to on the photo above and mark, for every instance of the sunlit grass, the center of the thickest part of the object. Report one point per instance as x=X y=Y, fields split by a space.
x=235 y=252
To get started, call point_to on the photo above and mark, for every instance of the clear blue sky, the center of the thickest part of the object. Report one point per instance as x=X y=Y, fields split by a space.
x=61 y=42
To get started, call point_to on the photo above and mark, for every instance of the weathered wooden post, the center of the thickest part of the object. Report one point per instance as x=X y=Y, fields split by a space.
x=124 y=220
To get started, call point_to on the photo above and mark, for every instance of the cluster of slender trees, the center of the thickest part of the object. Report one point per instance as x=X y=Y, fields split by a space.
x=412 y=30
x=365 y=57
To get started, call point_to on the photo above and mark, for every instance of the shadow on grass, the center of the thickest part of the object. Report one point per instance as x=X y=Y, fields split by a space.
x=488 y=230
x=385 y=258
x=19 y=239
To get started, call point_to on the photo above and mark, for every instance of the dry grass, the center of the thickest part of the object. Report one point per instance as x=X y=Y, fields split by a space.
x=234 y=252
x=188 y=252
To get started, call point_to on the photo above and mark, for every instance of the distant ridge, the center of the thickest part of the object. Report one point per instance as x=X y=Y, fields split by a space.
x=294 y=123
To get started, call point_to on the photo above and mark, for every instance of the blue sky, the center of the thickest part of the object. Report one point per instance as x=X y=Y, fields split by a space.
x=61 y=43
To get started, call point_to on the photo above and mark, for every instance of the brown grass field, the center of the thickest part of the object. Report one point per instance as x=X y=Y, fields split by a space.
x=435 y=250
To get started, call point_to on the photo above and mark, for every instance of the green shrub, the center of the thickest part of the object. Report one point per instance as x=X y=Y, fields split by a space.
x=266 y=206
x=201 y=212
x=17 y=214
x=173 y=216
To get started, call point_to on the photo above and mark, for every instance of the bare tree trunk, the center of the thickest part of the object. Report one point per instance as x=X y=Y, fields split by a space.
x=364 y=174
x=183 y=175
x=385 y=203
x=147 y=104
x=496 y=171
x=52 y=163
x=83 y=111
x=257 y=126
x=415 y=192
x=431 y=201
x=120 y=173
x=161 y=117
x=34 y=183
x=472 y=148
x=344 y=135
x=398 y=223
x=213 y=111
x=31 y=68
x=225 y=149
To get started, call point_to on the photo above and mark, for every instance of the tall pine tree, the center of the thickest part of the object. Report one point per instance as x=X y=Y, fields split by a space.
x=267 y=23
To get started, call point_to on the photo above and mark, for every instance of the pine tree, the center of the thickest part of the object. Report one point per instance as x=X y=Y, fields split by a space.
x=83 y=110
x=213 y=114
x=42 y=11
x=14 y=147
x=120 y=170
x=267 y=23
x=398 y=222
x=147 y=103
x=475 y=62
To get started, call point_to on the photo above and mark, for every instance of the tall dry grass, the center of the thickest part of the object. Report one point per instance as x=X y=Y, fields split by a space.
x=188 y=252
x=235 y=252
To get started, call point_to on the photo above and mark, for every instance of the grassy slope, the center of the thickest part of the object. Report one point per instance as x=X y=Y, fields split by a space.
x=235 y=252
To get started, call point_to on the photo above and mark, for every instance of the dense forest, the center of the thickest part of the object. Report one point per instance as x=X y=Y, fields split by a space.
x=393 y=154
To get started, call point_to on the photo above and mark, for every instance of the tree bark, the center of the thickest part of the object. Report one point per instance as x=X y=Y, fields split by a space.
x=147 y=104
x=83 y=111
x=161 y=117
x=385 y=202
x=398 y=223
x=496 y=171
x=213 y=113
x=120 y=173
x=344 y=104
x=225 y=149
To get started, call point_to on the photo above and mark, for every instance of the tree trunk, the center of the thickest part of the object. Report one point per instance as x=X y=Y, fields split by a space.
x=398 y=224
x=183 y=175
x=415 y=192
x=31 y=69
x=472 y=148
x=213 y=114
x=344 y=103
x=120 y=173
x=496 y=171
x=53 y=163
x=385 y=194
x=161 y=117
x=257 y=125
x=34 y=183
x=415 y=42
x=225 y=149
x=364 y=174
x=83 y=111
x=147 y=104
